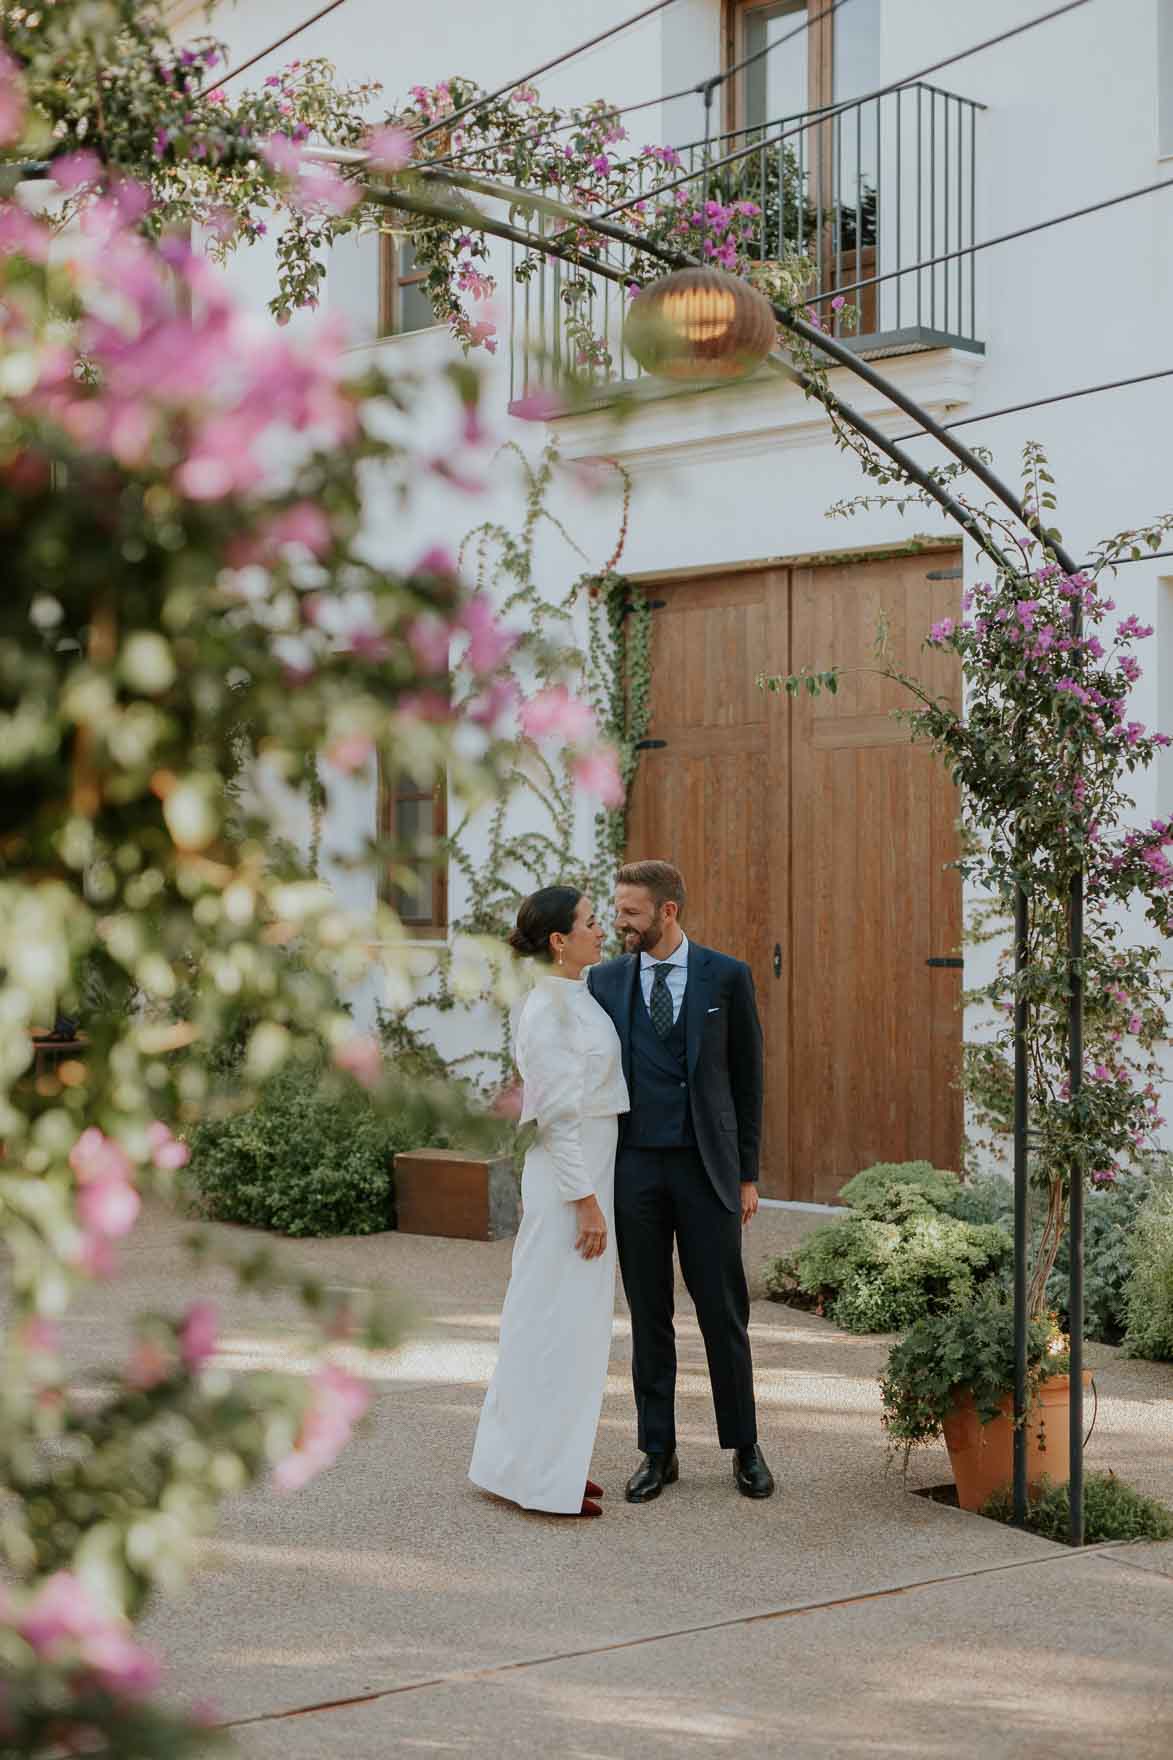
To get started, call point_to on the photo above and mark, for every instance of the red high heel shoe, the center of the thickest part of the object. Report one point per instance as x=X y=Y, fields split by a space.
x=589 y=1508
x=593 y=1490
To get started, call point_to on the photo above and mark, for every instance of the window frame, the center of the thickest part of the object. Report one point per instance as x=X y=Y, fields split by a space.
x=394 y=788
x=391 y=285
x=820 y=59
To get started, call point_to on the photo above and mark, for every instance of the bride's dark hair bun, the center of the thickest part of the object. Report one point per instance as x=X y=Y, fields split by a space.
x=549 y=911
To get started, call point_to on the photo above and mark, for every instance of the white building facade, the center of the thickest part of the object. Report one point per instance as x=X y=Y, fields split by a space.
x=812 y=837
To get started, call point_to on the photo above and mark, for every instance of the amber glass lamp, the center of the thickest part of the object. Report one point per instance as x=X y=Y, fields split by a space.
x=700 y=324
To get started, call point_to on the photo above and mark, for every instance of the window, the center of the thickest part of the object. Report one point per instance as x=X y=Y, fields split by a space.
x=833 y=60
x=403 y=300
x=413 y=817
x=788 y=83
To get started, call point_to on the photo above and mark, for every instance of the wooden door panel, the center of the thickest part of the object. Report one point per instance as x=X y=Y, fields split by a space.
x=713 y=798
x=874 y=1031
x=816 y=825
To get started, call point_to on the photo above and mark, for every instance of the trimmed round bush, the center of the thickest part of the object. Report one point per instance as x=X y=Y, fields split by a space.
x=873 y=1276
x=870 y=1192
x=308 y=1160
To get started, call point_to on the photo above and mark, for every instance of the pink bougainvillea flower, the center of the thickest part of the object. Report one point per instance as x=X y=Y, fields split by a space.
x=149 y=1365
x=488 y=641
x=390 y=148
x=430 y=639
x=322 y=190
x=361 y=1057
x=96 y=1156
x=197 y=1335
x=167 y=1152
x=21 y=234
x=470 y=280
x=107 y=1202
x=39 y=1336
x=73 y=171
x=303 y=524
x=438 y=560
x=941 y=631
x=491 y=706
x=282 y=155
x=63 y=1618
x=223 y=224
x=483 y=335
x=108 y=1208
x=351 y=752
x=62 y=1611
x=120 y=1664
x=94 y=1257
x=539 y=406
x=425 y=706
x=554 y=712
x=597 y=774
x=337 y=1402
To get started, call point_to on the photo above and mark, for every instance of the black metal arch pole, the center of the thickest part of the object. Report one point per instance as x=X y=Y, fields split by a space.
x=845 y=357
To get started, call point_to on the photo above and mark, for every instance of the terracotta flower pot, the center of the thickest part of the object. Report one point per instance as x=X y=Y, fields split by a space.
x=982 y=1455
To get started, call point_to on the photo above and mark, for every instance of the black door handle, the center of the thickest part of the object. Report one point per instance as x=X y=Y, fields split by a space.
x=777 y=959
x=958 y=963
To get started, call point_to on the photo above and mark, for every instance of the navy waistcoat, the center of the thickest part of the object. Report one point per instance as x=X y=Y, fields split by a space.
x=660 y=1117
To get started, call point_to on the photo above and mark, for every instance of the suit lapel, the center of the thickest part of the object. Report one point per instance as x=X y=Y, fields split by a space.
x=696 y=1001
x=628 y=985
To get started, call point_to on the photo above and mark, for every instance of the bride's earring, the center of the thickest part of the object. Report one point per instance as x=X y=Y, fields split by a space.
x=561 y=956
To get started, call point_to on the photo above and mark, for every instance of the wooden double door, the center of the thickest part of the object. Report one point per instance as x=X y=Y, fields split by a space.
x=815 y=840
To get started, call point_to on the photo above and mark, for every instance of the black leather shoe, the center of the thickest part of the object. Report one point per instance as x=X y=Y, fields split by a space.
x=649 y=1480
x=754 y=1478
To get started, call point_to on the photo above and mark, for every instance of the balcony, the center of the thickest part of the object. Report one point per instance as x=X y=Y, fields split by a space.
x=874 y=188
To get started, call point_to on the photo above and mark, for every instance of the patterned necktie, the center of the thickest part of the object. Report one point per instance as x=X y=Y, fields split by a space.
x=660 y=1006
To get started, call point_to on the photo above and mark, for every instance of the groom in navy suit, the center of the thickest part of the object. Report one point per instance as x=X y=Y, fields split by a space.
x=687 y=1165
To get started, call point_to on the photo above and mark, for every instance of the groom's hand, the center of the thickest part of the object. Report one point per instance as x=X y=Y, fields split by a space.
x=749 y=1201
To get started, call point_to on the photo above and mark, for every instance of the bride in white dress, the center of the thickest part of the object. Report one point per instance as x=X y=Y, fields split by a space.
x=537 y=1426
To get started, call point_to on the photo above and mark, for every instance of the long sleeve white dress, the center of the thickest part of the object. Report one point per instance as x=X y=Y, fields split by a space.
x=537 y=1426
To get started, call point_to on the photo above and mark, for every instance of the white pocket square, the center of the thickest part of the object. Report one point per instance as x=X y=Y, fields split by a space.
x=716 y=1010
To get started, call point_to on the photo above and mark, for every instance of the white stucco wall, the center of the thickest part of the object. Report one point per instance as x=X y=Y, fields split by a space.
x=1071 y=116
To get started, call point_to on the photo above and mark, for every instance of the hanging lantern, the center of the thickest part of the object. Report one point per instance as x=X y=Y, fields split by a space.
x=700 y=324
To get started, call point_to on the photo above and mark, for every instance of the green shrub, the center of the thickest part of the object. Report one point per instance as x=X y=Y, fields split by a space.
x=308 y=1160
x=985 y=1198
x=1111 y=1511
x=891 y=1189
x=1149 y=1295
x=873 y=1276
x=870 y=1192
x=969 y=1347
x=1111 y=1214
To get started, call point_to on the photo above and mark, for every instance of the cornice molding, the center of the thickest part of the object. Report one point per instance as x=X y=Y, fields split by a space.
x=766 y=414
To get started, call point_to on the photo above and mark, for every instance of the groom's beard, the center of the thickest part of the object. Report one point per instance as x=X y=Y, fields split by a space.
x=643 y=940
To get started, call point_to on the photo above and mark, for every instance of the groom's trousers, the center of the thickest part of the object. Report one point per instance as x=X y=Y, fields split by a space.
x=661 y=1195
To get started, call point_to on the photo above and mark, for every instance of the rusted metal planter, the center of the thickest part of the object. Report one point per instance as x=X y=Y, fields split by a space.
x=448 y=1192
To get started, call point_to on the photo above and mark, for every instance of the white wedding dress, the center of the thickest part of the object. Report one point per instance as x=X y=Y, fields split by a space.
x=537 y=1426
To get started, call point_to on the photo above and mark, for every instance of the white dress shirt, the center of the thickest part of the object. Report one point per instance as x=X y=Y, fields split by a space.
x=676 y=979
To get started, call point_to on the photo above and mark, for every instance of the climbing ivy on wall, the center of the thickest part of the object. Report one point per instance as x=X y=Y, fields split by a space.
x=526 y=848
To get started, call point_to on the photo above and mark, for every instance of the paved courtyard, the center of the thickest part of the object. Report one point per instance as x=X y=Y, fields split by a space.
x=391 y=1609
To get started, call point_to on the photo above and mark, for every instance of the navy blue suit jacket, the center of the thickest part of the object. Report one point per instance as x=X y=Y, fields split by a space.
x=723 y=1039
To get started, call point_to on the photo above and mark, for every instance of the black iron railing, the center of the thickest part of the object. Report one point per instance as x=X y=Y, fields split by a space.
x=867 y=189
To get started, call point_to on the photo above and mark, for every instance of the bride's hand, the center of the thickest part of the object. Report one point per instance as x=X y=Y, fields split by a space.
x=592 y=1228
